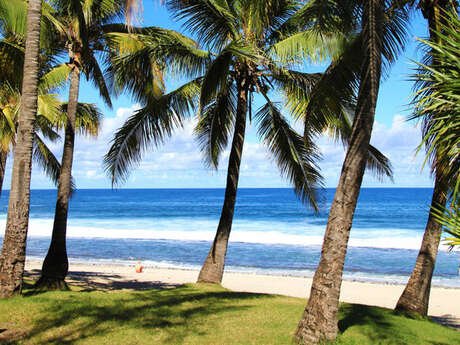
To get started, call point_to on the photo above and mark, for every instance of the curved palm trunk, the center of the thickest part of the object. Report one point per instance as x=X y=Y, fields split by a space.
x=13 y=255
x=416 y=295
x=3 y=157
x=319 y=321
x=56 y=265
x=213 y=267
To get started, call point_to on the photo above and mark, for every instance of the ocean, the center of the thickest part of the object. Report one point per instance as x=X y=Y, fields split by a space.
x=273 y=232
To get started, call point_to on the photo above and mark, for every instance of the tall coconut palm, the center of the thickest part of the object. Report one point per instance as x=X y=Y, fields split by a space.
x=381 y=38
x=252 y=46
x=81 y=24
x=49 y=107
x=435 y=105
x=14 y=242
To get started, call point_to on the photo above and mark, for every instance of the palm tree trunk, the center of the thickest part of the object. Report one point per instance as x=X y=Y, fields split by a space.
x=319 y=321
x=213 y=267
x=56 y=265
x=416 y=295
x=3 y=157
x=13 y=255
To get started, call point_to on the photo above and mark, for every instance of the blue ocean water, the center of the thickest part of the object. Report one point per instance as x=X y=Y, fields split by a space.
x=272 y=232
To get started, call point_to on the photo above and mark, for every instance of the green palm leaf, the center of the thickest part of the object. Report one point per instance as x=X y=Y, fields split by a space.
x=11 y=72
x=212 y=21
x=295 y=156
x=216 y=77
x=147 y=126
x=87 y=120
x=308 y=46
x=43 y=156
x=56 y=78
x=216 y=125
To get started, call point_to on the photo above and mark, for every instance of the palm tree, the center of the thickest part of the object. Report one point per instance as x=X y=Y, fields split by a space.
x=49 y=108
x=81 y=24
x=14 y=242
x=252 y=45
x=434 y=104
x=381 y=38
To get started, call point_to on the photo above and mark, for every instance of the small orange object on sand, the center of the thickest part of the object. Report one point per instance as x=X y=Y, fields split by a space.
x=139 y=267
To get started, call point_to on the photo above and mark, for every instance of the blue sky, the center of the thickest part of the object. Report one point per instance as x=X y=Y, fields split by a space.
x=178 y=163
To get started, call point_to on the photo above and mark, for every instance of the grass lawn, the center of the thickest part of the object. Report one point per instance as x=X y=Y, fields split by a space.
x=193 y=314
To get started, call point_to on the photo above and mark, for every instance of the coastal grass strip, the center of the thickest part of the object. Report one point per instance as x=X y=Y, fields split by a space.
x=194 y=314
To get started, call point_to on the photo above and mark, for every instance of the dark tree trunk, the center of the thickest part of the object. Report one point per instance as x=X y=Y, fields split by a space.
x=213 y=267
x=319 y=321
x=416 y=295
x=13 y=255
x=56 y=265
x=3 y=157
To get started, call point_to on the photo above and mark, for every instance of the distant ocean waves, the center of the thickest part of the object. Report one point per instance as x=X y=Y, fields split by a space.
x=204 y=230
x=272 y=232
x=362 y=264
x=374 y=255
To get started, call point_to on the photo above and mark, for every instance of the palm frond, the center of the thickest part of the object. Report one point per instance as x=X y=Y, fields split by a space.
x=13 y=17
x=449 y=218
x=145 y=57
x=216 y=125
x=56 y=78
x=95 y=74
x=148 y=126
x=87 y=120
x=437 y=103
x=45 y=158
x=307 y=46
x=46 y=128
x=295 y=156
x=11 y=63
x=216 y=77
x=264 y=17
x=212 y=21
x=379 y=164
x=49 y=106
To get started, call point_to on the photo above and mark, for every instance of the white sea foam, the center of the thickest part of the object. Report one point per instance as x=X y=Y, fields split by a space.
x=255 y=232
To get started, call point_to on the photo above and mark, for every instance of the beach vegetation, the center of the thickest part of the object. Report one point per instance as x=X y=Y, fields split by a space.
x=194 y=314
x=436 y=105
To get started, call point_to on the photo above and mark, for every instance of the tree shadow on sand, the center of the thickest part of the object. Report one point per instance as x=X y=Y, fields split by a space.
x=89 y=281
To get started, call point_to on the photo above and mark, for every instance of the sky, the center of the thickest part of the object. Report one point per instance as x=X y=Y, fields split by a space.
x=178 y=163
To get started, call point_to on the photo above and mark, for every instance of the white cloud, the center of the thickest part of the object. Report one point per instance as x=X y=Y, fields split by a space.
x=179 y=163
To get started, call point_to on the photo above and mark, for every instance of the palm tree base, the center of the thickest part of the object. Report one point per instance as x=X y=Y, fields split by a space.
x=51 y=284
x=210 y=273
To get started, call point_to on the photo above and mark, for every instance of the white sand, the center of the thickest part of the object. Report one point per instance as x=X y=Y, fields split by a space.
x=444 y=302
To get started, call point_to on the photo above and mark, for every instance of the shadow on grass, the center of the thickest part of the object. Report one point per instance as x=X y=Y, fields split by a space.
x=359 y=314
x=384 y=326
x=448 y=321
x=171 y=314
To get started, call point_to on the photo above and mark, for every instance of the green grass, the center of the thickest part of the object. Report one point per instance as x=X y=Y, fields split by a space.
x=194 y=314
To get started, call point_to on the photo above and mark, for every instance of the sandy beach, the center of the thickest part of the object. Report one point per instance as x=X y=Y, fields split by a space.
x=444 y=302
